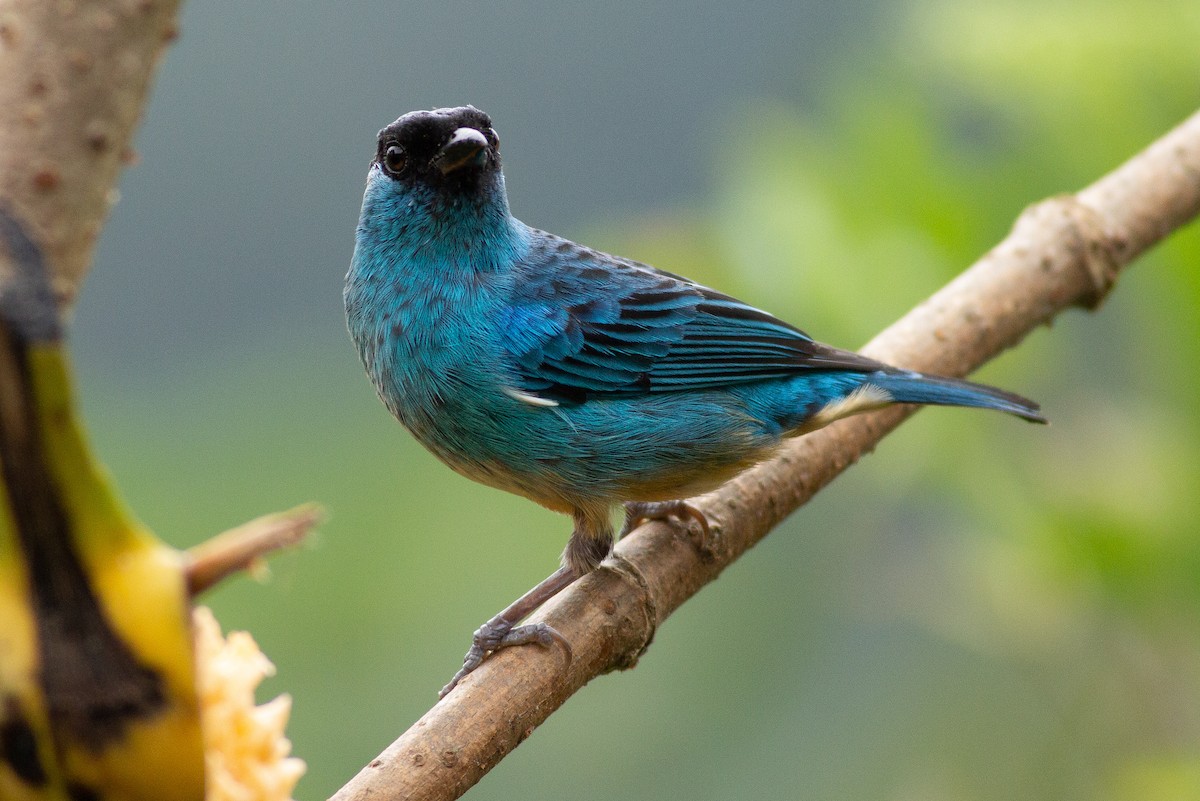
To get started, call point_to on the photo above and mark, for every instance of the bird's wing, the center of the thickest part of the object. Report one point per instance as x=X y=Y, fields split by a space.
x=585 y=324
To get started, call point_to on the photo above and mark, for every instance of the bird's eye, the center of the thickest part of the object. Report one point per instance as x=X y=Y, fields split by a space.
x=394 y=159
x=492 y=137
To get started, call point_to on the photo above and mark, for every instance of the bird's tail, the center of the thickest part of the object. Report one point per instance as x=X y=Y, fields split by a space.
x=905 y=386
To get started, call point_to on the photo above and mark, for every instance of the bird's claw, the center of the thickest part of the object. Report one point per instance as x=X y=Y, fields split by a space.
x=498 y=633
x=637 y=512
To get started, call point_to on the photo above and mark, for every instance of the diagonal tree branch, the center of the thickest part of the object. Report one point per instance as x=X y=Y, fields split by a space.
x=1065 y=251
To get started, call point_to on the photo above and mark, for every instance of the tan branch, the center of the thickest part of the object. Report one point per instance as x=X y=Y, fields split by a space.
x=75 y=79
x=243 y=548
x=1063 y=252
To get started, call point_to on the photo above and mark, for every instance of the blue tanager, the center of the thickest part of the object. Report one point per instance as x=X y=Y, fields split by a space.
x=573 y=377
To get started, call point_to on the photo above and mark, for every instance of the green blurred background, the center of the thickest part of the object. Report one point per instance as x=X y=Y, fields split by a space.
x=981 y=610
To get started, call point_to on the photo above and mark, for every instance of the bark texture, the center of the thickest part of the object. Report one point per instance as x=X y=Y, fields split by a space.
x=76 y=75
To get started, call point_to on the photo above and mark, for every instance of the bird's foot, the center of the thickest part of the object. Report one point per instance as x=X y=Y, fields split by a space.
x=502 y=631
x=638 y=512
x=499 y=633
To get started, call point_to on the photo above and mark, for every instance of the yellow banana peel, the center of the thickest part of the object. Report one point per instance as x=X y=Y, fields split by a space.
x=98 y=694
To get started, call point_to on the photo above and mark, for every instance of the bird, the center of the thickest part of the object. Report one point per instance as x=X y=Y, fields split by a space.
x=575 y=378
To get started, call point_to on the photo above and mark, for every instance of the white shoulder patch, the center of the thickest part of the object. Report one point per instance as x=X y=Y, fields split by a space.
x=532 y=400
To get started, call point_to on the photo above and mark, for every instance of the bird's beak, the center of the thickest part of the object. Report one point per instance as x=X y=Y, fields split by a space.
x=464 y=148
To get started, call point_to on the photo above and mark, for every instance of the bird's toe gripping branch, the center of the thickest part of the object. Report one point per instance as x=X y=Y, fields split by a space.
x=502 y=632
x=638 y=512
x=499 y=633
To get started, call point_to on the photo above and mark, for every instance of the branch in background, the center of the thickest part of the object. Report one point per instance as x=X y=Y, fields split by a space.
x=76 y=78
x=244 y=547
x=1065 y=251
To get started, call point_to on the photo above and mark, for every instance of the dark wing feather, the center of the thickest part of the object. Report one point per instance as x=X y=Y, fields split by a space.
x=585 y=324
